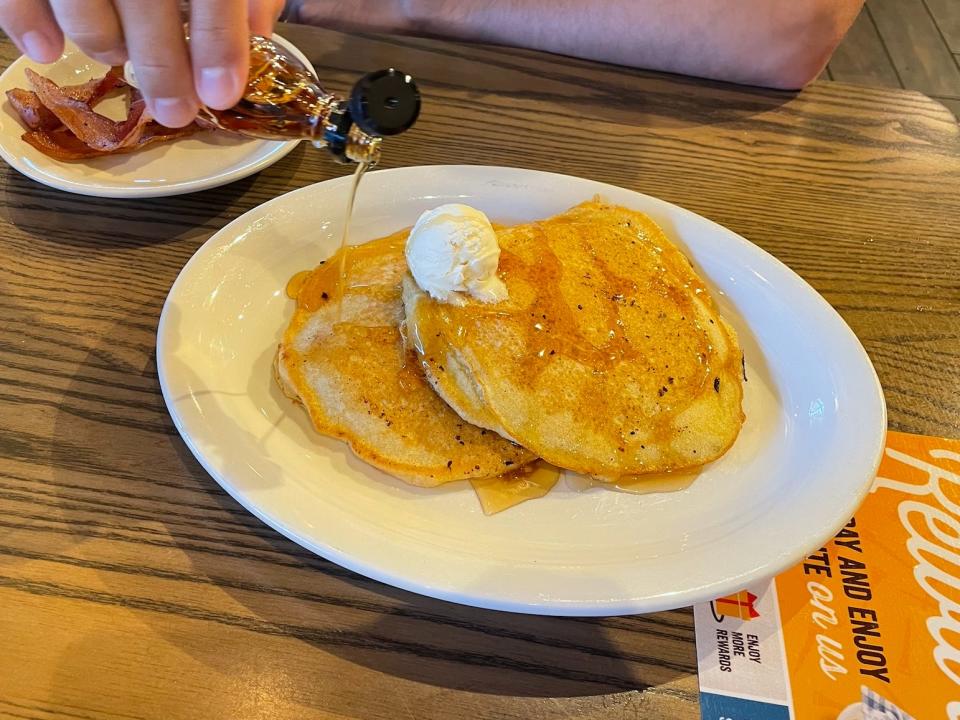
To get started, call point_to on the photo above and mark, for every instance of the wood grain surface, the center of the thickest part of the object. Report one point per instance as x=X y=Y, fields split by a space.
x=916 y=46
x=910 y=44
x=862 y=57
x=132 y=587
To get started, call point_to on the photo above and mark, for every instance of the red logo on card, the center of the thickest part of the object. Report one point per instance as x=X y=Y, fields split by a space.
x=739 y=605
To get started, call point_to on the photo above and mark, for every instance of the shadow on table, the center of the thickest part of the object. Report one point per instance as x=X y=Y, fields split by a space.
x=445 y=645
x=268 y=591
x=428 y=641
x=66 y=220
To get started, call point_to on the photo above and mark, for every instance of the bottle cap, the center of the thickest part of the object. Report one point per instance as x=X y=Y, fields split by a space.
x=385 y=102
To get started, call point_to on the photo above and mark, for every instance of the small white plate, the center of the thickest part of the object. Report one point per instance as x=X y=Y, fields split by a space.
x=807 y=454
x=201 y=162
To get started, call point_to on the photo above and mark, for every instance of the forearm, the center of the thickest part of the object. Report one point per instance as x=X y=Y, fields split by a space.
x=778 y=43
x=781 y=43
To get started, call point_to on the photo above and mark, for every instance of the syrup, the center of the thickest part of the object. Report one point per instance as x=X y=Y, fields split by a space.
x=296 y=283
x=639 y=484
x=553 y=328
x=531 y=481
x=324 y=284
x=283 y=101
x=345 y=237
x=313 y=288
x=656 y=483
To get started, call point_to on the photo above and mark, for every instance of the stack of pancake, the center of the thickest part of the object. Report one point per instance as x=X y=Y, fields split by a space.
x=609 y=358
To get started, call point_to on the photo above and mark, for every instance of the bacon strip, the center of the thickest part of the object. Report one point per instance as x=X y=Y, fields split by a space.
x=63 y=124
x=94 y=129
x=61 y=144
x=37 y=117
x=32 y=112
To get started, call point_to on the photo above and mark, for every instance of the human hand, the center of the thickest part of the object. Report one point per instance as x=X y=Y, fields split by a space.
x=174 y=79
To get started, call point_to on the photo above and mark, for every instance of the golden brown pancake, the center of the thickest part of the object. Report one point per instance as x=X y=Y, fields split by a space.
x=609 y=358
x=347 y=365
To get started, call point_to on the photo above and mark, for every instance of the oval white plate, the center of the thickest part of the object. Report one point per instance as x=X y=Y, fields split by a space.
x=805 y=458
x=201 y=162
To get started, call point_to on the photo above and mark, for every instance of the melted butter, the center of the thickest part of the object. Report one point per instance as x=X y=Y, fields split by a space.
x=531 y=481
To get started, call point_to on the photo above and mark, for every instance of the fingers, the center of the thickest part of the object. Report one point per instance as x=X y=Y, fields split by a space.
x=158 y=50
x=32 y=26
x=150 y=32
x=263 y=16
x=220 y=50
x=94 y=27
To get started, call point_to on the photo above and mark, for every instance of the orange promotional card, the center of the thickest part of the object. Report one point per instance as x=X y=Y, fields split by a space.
x=866 y=627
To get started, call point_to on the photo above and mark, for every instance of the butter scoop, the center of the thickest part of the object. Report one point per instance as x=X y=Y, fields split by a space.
x=453 y=254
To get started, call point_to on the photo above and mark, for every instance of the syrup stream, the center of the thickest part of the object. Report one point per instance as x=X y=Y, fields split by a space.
x=342 y=270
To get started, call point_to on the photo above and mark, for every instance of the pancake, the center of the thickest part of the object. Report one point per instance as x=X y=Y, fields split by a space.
x=348 y=366
x=609 y=357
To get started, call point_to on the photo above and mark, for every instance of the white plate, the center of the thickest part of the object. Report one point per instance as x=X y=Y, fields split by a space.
x=204 y=161
x=805 y=458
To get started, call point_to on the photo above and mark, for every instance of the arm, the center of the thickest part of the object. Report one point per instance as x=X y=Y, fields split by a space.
x=775 y=43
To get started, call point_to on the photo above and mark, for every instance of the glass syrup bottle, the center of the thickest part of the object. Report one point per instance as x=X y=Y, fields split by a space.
x=283 y=101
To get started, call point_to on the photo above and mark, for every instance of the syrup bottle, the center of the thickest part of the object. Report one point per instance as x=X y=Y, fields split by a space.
x=283 y=101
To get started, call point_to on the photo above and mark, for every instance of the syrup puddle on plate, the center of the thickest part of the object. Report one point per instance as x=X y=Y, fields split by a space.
x=531 y=481
x=638 y=484
x=535 y=480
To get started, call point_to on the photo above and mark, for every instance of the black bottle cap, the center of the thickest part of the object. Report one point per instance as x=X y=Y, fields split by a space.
x=385 y=102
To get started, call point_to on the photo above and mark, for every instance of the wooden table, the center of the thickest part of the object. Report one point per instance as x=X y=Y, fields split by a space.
x=131 y=586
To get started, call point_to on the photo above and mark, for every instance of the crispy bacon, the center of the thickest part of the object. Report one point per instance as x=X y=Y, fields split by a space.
x=61 y=144
x=37 y=117
x=32 y=112
x=94 y=129
x=62 y=123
